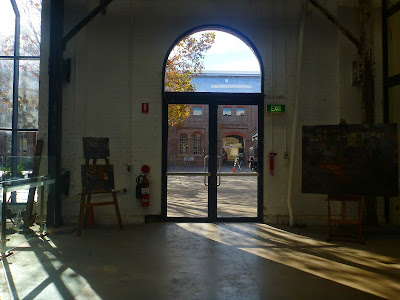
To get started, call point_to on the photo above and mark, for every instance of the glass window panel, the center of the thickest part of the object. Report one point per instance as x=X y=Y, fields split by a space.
x=212 y=61
x=240 y=111
x=181 y=140
x=27 y=143
x=187 y=196
x=394 y=44
x=197 y=144
x=28 y=94
x=197 y=111
x=7 y=28
x=30 y=12
x=183 y=144
x=6 y=93
x=236 y=140
x=237 y=195
x=5 y=144
x=227 y=111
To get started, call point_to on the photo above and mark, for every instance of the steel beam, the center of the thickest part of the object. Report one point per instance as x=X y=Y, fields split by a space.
x=335 y=21
x=14 y=126
x=100 y=8
x=54 y=217
x=392 y=10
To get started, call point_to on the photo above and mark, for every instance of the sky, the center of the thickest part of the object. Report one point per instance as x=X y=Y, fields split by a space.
x=229 y=53
x=6 y=17
x=27 y=13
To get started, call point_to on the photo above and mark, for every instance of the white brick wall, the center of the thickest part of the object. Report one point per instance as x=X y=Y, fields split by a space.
x=117 y=64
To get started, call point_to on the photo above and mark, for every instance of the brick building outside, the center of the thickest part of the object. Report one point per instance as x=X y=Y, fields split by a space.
x=237 y=124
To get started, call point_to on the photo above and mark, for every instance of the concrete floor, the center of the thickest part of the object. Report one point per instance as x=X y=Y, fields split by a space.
x=202 y=261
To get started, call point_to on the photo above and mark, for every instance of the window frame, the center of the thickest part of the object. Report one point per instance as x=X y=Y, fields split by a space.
x=241 y=114
x=197 y=144
x=198 y=109
x=225 y=114
x=183 y=144
x=17 y=58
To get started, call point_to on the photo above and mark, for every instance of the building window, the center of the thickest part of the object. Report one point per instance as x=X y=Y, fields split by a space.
x=197 y=145
x=240 y=111
x=20 y=23
x=197 y=111
x=227 y=111
x=183 y=144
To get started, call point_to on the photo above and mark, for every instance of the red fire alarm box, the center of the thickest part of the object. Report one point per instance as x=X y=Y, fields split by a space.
x=145 y=108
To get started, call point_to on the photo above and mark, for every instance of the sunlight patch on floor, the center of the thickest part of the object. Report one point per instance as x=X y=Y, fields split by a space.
x=50 y=275
x=330 y=261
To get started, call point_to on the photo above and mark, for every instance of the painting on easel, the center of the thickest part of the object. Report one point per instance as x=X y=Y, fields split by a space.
x=96 y=148
x=97 y=179
x=355 y=159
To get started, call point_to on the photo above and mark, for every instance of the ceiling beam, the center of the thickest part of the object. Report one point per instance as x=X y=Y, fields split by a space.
x=335 y=21
x=100 y=8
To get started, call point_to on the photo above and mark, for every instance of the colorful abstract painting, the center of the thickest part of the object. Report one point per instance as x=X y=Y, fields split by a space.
x=97 y=179
x=350 y=159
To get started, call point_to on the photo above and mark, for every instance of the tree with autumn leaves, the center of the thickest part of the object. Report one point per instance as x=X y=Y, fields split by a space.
x=184 y=63
x=28 y=93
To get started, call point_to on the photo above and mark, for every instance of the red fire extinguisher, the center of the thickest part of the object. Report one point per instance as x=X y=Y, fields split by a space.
x=272 y=162
x=143 y=187
x=145 y=191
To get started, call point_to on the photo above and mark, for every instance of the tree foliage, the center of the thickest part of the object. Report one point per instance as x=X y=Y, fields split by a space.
x=183 y=64
x=28 y=79
x=28 y=94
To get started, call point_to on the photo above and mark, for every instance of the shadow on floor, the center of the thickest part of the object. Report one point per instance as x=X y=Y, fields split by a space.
x=202 y=261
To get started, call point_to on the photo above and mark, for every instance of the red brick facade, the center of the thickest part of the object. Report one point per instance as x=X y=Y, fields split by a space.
x=234 y=135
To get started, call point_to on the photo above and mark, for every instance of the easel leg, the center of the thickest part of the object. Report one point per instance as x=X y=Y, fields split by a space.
x=360 y=235
x=117 y=209
x=41 y=217
x=89 y=197
x=329 y=223
x=81 y=214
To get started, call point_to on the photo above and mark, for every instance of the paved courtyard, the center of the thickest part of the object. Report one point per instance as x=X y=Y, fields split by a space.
x=187 y=196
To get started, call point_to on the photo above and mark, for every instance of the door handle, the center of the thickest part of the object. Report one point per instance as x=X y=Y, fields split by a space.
x=219 y=170
x=205 y=170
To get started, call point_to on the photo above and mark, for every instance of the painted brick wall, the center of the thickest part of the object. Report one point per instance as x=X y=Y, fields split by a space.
x=118 y=61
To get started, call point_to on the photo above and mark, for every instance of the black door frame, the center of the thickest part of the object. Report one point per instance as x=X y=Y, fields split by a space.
x=213 y=100
x=388 y=82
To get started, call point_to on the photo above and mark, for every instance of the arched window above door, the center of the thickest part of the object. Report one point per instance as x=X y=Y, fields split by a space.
x=212 y=61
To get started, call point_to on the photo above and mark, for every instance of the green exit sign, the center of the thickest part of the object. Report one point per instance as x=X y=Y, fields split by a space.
x=275 y=108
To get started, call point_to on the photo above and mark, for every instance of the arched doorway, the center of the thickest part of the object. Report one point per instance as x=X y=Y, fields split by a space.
x=212 y=107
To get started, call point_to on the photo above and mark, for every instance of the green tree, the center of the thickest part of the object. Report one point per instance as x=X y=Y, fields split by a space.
x=183 y=64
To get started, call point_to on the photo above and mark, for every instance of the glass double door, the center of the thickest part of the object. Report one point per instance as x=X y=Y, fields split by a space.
x=212 y=168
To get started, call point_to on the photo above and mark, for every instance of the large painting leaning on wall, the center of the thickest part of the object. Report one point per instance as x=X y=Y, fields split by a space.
x=350 y=159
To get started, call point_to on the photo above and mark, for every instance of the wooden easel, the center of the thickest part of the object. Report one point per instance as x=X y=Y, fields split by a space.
x=343 y=220
x=94 y=179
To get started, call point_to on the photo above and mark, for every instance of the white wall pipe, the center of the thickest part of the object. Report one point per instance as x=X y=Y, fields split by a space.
x=295 y=118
